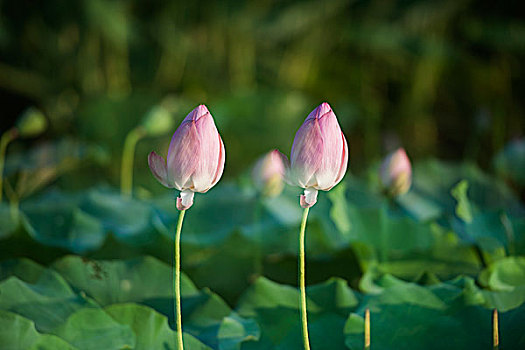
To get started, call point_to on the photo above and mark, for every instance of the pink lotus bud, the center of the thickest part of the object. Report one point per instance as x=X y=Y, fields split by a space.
x=268 y=173
x=319 y=154
x=396 y=173
x=195 y=157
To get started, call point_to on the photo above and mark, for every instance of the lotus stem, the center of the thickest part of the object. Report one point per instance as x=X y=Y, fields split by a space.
x=14 y=201
x=367 y=329
x=304 y=319
x=495 y=330
x=128 y=155
x=6 y=138
x=176 y=281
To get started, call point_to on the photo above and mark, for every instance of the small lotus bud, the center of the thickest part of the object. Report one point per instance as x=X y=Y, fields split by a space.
x=396 y=173
x=195 y=159
x=268 y=173
x=319 y=155
x=31 y=123
x=157 y=121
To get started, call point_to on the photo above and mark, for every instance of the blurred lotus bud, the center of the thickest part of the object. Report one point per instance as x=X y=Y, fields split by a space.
x=319 y=155
x=158 y=121
x=195 y=159
x=268 y=173
x=396 y=173
x=510 y=162
x=31 y=123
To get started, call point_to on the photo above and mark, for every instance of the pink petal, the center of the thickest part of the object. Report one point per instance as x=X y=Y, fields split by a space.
x=307 y=152
x=194 y=115
x=344 y=161
x=211 y=159
x=158 y=168
x=183 y=155
x=280 y=162
x=197 y=113
x=320 y=111
x=220 y=167
x=333 y=149
x=287 y=173
x=394 y=164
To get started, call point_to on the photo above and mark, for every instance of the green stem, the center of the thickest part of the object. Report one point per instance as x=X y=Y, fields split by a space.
x=6 y=138
x=367 y=329
x=302 y=280
x=14 y=201
x=128 y=155
x=495 y=330
x=176 y=281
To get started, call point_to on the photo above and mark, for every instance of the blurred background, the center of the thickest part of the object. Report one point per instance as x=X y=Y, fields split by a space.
x=441 y=78
x=88 y=88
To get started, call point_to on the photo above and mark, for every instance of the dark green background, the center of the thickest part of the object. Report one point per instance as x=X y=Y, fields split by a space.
x=82 y=266
x=441 y=78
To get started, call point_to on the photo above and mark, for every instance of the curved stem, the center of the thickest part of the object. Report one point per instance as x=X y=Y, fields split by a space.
x=302 y=280
x=14 y=201
x=495 y=330
x=6 y=138
x=128 y=155
x=367 y=329
x=176 y=281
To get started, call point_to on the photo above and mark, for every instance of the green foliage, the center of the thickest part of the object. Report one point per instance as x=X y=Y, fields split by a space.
x=7 y=224
x=151 y=328
x=459 y=192
x=412 y=261
x=17 y=332
x=115 y=304
x=510 y=162
x=453 y=314
x=82 y=267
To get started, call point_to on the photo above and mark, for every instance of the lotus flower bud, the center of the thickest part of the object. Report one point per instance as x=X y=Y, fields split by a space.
x=319 y=155
x=31 y=123
x=396 y=173
x=195 y=159
x=268 y=173
x=157 y=121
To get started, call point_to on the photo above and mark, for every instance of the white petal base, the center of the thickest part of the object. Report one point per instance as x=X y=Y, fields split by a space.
x=309 y=198
x=185 y=200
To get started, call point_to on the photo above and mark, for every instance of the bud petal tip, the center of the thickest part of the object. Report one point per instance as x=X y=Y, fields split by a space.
x=396 y=173
x=158 y=168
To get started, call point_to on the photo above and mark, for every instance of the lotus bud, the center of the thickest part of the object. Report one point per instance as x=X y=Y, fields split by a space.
x=157 y=121
x=31 y=123
x=319 y=155
x=268 y=173
x=396 y=173
x=195 y=159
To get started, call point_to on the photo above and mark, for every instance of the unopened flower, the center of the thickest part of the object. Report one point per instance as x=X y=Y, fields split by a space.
x=195 y=159
x=157 y=121
x=319 y=155
x=396 y=173
x=268 y=173
x=31 y=123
